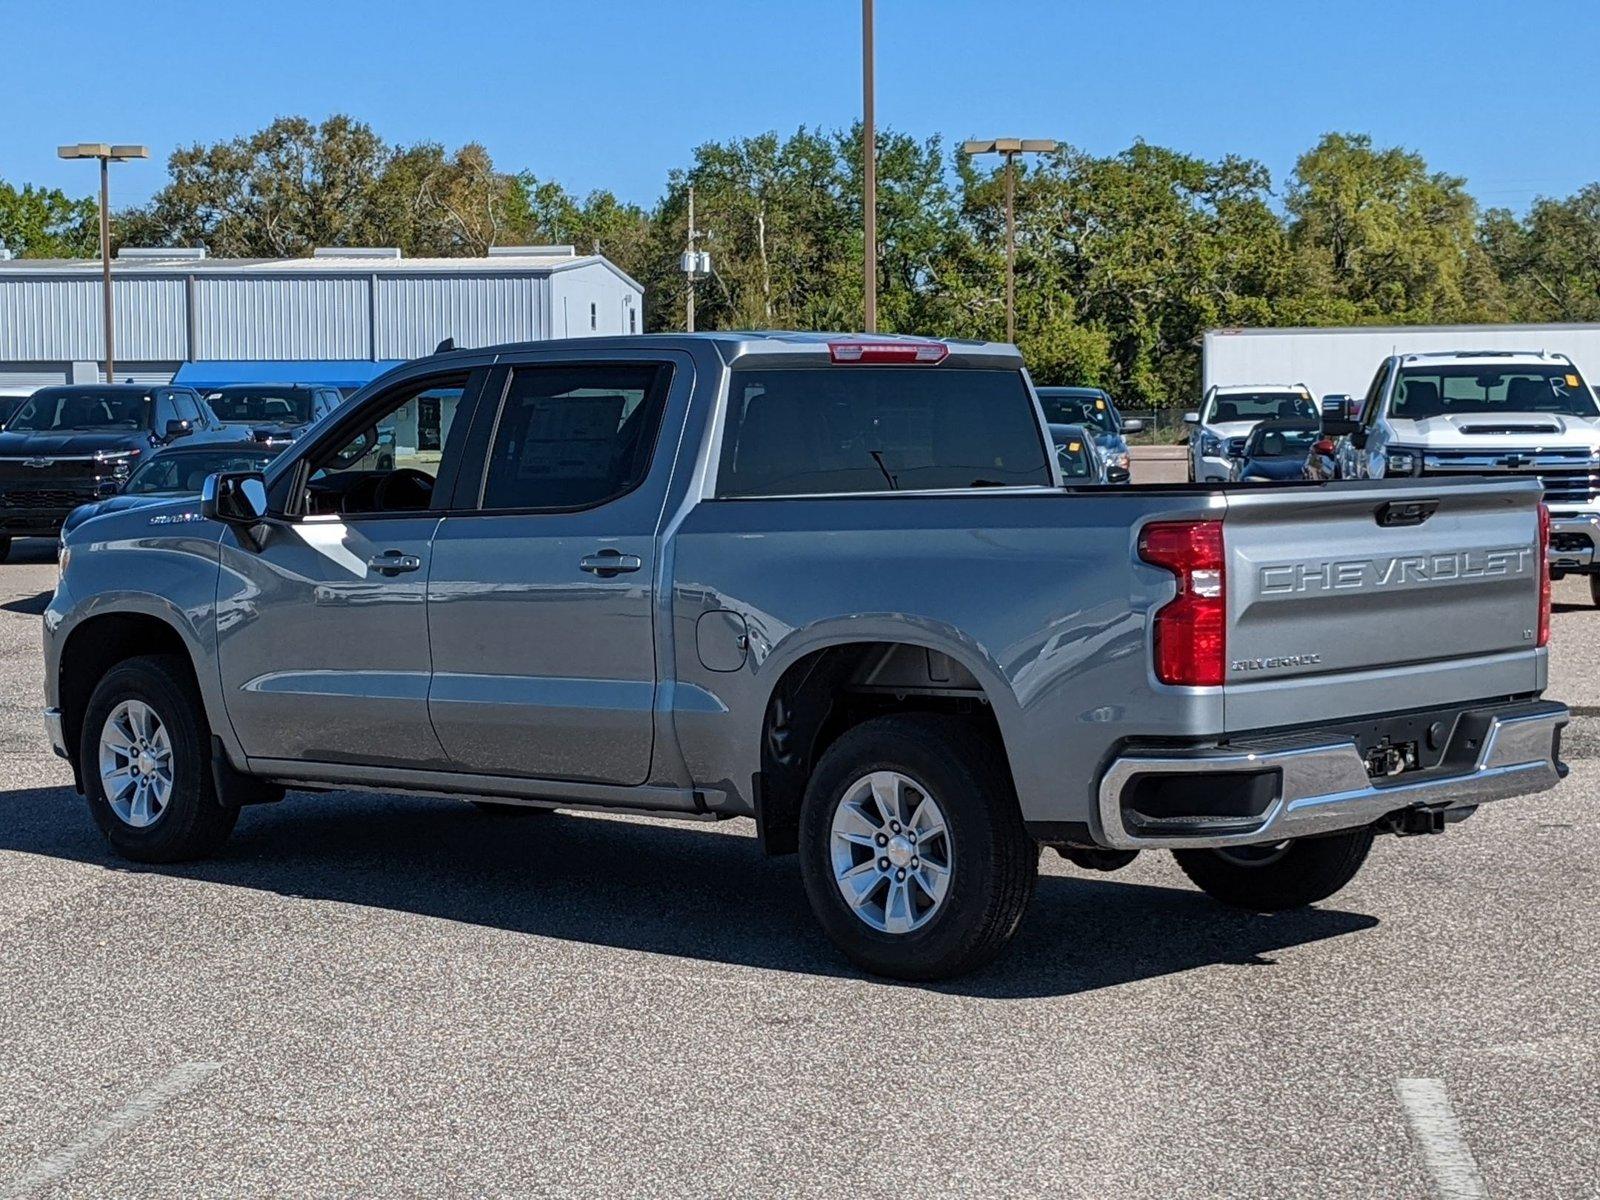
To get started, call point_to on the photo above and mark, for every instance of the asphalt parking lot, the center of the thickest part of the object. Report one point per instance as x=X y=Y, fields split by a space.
x=386 y=996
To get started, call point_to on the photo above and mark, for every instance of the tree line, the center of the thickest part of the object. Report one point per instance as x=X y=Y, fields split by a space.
x=1123 y=260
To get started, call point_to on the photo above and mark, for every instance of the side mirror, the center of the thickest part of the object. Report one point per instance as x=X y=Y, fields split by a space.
x=234 y=498
x=1336 y=428
x=1117 y=475
x=1358 y=439
x=1133 y=425
x=178 y=429
x=1191 y=418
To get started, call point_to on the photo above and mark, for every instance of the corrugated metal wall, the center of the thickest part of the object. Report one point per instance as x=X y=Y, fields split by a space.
x=294 y=317
x=61 y=318
x=416 y=313
x=290 y=315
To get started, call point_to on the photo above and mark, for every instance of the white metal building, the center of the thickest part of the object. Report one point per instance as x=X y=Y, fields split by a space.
x=1344 y=359
x=341 y=316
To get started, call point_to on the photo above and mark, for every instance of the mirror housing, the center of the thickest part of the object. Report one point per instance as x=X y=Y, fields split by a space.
x=235 y=498
x=1335 y=427
x=1133 y=425
x=1117 y=475
x=1191 y=418
x=177 y=429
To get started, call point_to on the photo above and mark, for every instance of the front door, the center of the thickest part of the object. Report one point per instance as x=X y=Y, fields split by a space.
x=322 y=615
x=541 y=597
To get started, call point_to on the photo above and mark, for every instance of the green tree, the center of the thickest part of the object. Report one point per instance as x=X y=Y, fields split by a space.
x=47 y=223
x=1549 y=262
x=1382 y=238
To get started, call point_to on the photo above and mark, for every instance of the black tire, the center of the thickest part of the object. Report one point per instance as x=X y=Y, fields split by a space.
x=994 y=863
x=1594 y=589
x=5 y=549
x=490 y=809
x=193 y=823
x=1302 y=872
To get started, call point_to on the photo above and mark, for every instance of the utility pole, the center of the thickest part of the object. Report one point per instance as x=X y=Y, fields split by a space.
x=689 y=303
x=869 y=174
x=1010 y=148
x=695 y=264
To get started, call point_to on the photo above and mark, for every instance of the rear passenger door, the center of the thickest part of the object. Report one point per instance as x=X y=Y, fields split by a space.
x=541 y=600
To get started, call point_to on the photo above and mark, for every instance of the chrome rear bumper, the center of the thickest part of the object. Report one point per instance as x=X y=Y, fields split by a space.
x=1323 y=786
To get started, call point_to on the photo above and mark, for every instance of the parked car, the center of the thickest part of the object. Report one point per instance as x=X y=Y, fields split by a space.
x=1227 y=415
x=1079 y=457
x=1522 y=414
x=179 y=470
x=832 y=583
x=70 y=445
x=1093 y=409
x=1276 y=451
x=272 y=413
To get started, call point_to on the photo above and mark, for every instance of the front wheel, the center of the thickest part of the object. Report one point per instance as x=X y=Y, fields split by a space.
x=1594 y=590
x=146 y=770
x=1278 y=875
x=912 y=848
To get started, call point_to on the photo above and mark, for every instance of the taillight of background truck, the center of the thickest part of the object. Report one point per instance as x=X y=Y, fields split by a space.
x=1191 y=630
x=1544 y=575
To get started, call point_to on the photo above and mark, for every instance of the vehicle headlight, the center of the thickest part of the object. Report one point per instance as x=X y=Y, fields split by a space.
x=120 y=461
x=1210 y=445
x=1399 y=461
x=1117 y=458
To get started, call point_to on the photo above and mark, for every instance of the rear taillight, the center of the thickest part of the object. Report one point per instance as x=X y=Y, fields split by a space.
x=1191 y=631
x=927 y=353
x=1544 y=576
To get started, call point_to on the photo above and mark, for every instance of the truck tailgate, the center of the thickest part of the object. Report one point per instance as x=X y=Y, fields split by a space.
x=1364 y=597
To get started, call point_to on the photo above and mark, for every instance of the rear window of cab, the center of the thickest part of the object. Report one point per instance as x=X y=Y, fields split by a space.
x=798 y=431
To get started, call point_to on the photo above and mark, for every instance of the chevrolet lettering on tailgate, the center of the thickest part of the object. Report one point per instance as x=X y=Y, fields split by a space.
x=1354 y=574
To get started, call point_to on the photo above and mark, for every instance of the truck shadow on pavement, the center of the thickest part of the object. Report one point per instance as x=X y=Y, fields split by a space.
x=693 y=891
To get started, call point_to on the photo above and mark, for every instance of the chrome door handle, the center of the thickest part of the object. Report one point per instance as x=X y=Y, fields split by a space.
x=392 y=562
x=608 y=563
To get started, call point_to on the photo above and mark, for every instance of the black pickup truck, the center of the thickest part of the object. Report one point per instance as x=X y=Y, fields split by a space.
x=71 y=445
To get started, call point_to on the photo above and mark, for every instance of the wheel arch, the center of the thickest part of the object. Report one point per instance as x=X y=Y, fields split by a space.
x=101 y=640
x=829 y=681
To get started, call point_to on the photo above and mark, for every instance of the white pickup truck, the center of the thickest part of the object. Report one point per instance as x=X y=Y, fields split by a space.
x=1490 y=413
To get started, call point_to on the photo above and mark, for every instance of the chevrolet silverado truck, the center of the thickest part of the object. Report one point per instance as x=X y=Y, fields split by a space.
x=1491 y=412
x=833 y=583
x=78 y=444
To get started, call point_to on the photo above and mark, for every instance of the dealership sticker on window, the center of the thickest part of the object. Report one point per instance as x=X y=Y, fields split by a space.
x=1572 y=381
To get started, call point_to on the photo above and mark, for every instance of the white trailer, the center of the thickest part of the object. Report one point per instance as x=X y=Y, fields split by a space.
x=1344 y=359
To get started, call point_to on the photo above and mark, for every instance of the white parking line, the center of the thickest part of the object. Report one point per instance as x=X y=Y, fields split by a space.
x=147 y=1103
x=1440 y=1142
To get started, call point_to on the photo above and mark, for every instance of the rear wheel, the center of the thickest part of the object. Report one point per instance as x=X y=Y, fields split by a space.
x=146 y=770
x=912 y=848
x=1594 y=589
x=1278 y=875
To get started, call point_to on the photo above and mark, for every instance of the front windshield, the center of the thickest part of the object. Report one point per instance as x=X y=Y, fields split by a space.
x=1444 y=391
x=1077 y=410
x=1267 y=441
x=1259 y=406
x=274 y=405
x=90 y=409
x=185 y=471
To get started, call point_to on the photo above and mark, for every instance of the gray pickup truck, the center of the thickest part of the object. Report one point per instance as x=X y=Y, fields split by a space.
x=833 y=583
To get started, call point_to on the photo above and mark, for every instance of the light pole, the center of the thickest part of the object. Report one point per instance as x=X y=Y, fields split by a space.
x=869 y=174
x=1011 y=147
x=107 y=155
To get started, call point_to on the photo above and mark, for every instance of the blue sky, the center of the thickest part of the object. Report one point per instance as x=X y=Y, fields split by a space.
x=613 y=93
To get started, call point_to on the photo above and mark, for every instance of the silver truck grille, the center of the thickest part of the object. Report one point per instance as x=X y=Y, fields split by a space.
x=1568 y=476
